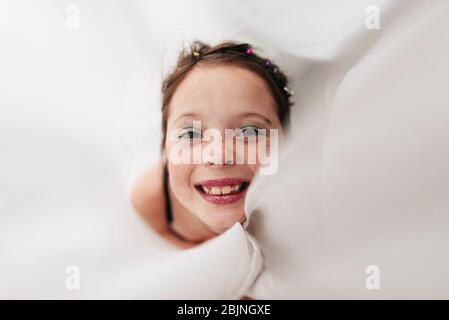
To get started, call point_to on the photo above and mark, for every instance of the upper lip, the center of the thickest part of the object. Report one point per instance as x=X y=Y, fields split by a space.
x=220 y=182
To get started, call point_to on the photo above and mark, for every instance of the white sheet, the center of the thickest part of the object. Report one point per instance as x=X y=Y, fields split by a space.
x=79 y=120
x=359 y=208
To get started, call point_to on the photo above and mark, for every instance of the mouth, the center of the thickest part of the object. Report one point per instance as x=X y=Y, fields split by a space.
x=222 y=191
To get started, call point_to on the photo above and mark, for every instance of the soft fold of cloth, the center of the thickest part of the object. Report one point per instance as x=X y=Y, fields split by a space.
x=359 y=207
x=362 y=183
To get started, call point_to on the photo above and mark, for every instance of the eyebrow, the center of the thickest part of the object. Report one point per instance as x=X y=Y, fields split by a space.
x=258 y=115
x=243 y=115
x=187 y=115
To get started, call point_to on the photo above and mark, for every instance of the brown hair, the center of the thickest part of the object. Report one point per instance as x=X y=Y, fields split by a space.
x=229 y=52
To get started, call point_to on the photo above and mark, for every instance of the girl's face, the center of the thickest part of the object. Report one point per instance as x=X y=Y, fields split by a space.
x=220 y=97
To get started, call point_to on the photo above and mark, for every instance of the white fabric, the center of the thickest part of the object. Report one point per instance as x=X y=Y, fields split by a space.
x=364 y=180
x=80 y=119
x=64 y=204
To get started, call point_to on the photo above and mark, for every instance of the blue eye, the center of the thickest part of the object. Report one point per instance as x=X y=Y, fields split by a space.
x=190 y=133
x=250 y=131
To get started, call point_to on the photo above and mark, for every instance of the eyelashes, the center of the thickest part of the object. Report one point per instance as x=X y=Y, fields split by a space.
x=250 y=131
x=191 y=133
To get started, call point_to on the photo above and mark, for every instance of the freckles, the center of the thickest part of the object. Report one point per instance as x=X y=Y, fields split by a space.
x=258 y=150
x=180 y=174
x=253 y=169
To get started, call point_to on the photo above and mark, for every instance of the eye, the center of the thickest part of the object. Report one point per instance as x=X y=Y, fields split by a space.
x=249 y=131
x=190 y=133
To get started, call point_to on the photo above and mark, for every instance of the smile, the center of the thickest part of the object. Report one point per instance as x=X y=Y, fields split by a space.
x=222 y=191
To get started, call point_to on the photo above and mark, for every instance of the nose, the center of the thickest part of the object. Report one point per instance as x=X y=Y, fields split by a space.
x=225 y=148
x=228 y=162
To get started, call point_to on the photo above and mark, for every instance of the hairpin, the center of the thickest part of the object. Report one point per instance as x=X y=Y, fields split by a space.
x=245 y=47
x=268 y=63
x=289 y=92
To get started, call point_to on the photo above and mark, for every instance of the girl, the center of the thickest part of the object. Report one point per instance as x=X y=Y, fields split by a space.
x=223 y=87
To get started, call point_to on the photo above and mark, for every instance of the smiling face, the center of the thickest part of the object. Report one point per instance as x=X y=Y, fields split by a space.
x=220 y=97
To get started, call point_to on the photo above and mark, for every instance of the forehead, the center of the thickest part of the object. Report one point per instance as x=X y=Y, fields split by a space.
x=222 y=90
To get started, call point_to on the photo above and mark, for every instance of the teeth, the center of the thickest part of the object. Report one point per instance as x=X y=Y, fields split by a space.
x=222 y=190
x=226 y=190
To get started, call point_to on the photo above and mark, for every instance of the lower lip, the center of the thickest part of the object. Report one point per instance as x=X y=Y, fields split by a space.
x=223 y=199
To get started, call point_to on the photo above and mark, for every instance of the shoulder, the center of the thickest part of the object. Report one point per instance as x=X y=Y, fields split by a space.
x=147 y=196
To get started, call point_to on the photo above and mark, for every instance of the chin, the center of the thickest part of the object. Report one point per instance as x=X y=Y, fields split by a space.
x=226 y=222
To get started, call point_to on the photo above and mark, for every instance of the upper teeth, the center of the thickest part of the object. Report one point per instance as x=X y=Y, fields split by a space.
x=222 y=190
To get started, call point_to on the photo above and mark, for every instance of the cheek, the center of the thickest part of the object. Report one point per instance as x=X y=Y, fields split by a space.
x=180 y=178
x=258 y=153
x=253 y=169
x=270 y=146
x=179 y=173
